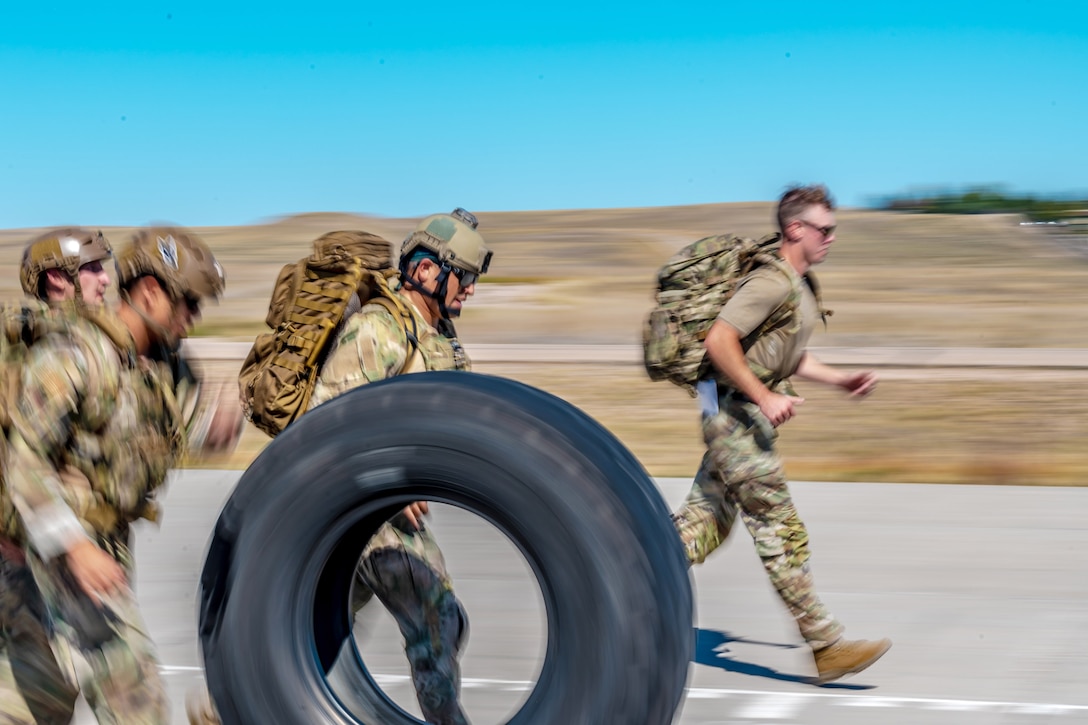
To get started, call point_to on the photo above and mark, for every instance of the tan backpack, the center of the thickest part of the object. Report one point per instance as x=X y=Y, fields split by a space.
x=308 y=305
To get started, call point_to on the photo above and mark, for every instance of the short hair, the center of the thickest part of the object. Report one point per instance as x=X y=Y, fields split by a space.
x=797 y=199
x=420 y=254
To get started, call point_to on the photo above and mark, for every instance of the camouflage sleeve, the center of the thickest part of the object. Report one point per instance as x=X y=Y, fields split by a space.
x=195 y=405
x=197 y=402
x=55 y=380
x=371 y=347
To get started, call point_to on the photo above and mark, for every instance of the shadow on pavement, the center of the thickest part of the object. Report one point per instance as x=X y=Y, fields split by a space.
x=712 y=650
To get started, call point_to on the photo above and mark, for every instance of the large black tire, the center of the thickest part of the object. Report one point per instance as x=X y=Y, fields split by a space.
x=274 y=614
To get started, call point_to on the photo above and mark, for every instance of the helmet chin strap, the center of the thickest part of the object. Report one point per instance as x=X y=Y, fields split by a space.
x=78 y=288
x=162 y=335
x=441 y=283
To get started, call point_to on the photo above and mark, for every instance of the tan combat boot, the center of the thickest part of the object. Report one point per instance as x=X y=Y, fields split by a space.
x=847 y=656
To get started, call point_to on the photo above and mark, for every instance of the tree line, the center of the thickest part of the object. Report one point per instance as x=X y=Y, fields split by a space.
x=988 y=200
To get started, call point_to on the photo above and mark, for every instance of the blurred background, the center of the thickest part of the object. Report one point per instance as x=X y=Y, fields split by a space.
x=593 y=142
x=977 y=322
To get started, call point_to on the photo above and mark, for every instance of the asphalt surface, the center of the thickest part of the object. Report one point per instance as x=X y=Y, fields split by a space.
x=982 y=589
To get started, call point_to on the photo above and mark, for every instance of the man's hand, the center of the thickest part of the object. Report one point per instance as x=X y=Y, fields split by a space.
x=96 y=572
x=226 y=425
x=859 y=384
x=10 y=552
x=779 y=408
x=414 y=513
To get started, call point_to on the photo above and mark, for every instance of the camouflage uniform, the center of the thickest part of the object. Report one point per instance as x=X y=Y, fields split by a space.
x=32 y=685
x=94 y=434
x=742 y=470
x=402 y=565
x=33 y=688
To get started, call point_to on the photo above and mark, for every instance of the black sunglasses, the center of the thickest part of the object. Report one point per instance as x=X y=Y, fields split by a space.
x=464 y=277
x=825 y=231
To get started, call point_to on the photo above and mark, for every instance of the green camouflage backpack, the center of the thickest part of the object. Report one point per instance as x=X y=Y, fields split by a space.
x=310 y=300
x=21 y=325
x=692 y=287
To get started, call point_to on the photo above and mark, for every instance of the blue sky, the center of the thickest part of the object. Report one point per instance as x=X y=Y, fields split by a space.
x=128 y=112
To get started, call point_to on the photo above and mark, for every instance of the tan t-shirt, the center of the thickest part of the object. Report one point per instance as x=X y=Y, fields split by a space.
x=781 y=348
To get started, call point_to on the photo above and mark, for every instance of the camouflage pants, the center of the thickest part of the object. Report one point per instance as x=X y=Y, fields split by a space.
x=104 y=651
x=742 y=472
x=407 y=572
x=33 y=689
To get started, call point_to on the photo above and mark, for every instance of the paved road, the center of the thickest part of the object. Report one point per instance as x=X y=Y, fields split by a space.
x=983 y=589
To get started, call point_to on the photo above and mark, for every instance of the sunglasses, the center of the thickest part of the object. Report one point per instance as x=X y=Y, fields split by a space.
x=193 y=303
x=464 y=277
x=824 y=231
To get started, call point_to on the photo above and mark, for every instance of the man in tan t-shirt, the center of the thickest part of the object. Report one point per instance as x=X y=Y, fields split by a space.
x=742 y=408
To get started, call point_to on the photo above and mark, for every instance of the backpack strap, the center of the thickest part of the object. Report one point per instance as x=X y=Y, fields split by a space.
x=113 y=328
x=780 y=314
x=810 y=280
x=407 y=322
x=787 y=308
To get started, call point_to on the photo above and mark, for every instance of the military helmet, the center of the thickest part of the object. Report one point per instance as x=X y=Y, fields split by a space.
x=66 y=249
x=452 y=238
x=182 y=262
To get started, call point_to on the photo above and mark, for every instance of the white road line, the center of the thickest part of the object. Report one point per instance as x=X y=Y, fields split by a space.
x=772 y=706
x=179 y=670
x=921 y=703
x=767 y=704
x=467 y=683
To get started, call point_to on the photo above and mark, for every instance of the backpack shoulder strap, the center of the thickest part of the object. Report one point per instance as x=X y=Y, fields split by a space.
x=407 y=321
x=810 y=280
x=112 y=328
x=789 y=306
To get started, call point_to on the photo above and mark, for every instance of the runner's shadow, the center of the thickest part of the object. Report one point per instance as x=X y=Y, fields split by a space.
x=712 y=650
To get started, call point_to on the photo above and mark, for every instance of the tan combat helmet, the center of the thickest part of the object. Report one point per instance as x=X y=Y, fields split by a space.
x=453 y=239
x=180 y=260
x=65 y=249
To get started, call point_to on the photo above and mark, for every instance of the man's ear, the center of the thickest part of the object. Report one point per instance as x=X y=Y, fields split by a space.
x=786 y=231
x=144 y=290
x=57 y=278
x=426 y=270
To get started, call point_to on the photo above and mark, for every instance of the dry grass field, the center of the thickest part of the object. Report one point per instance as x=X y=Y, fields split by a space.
x=893 y=280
